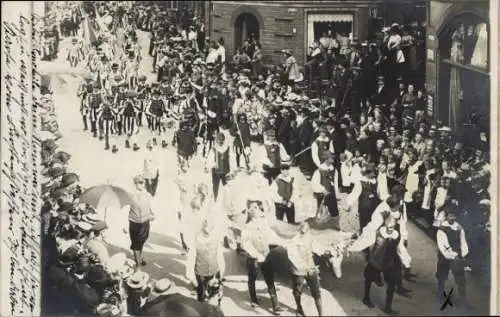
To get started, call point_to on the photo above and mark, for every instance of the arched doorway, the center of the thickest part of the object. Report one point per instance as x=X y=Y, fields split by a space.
x=246 y=26
x=464 y=79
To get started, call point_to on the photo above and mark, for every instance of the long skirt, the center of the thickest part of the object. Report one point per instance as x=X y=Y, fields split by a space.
x=139 y=233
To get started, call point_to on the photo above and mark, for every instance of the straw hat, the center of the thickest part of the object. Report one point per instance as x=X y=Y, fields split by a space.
x=138 y=280
x=91 y=218
x=163 y=287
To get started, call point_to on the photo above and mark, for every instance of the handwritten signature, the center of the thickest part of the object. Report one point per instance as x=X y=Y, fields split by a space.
x=20 y=193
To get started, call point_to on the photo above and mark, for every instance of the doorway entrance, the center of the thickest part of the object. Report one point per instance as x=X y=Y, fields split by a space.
x=246 y=26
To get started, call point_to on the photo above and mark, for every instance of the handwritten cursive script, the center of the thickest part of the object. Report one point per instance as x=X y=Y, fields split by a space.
x=20 y=231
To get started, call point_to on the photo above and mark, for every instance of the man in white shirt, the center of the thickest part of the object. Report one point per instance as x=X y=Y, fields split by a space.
x=452 y=250
x=256 y=239
x=150 y=171
x=271 y=156
x=221 y=51
x=212 y=54
x=218 y=161
x=300 y=251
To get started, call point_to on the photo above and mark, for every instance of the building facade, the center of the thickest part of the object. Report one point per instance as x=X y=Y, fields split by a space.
x=285 y=24
x=296 y=24
x=457 y=61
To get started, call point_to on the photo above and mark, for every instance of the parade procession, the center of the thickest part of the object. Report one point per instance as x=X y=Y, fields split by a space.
x=181 y=180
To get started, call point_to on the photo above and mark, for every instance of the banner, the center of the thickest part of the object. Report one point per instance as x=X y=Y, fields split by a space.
x=89 y=34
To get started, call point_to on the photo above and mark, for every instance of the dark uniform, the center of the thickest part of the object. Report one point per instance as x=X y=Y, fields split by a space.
x=367 y=202
x=327 y=180
x=156 y=109
x=94 y=101
x=129 y=115
x=241 y=133
x=186 y=142
x=457 y=265
x=107 y=116
x=285 y=190
x=142 y=92
x=384 y=258
x=273 y=153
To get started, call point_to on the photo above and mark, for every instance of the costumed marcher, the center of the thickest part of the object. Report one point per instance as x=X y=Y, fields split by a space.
x=383 y=257
x=185 y=140
x=301 y=250
x=272 y=154
x=218 y=162
x=364 y=195
x=324 y=184
x=94 y=101
x=393 y=205
x=151 y=171
x=129 y=114
x=74 y=53
x=142 y=90
x=285 y=195
x=256 y=239
x=205 y=266
x=242 y=141
x=156 y=109
x=321 y=146
x=452 y=250
x=106 y=117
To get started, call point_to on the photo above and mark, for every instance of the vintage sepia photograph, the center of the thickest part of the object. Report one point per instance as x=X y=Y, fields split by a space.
x=260 y=158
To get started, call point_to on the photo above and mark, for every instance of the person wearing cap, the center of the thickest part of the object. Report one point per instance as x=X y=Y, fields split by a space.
x=242 y=138
x=384 y=244
x=84 y=90
x=131 y=69
x=129 y=112
x=114 y=79
x=271 y=156
x=321 y=146
x=106 y=116
x=156 y=108
x=284 y=194
x=94 y=241
x=137 y=292
x=382 y=94
x=142 y=90
x=205 y=260
x=324 y=183
x=94 y=100
x=140 y=216
x=257 y=237
x=75 y=53
x=452 y=251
